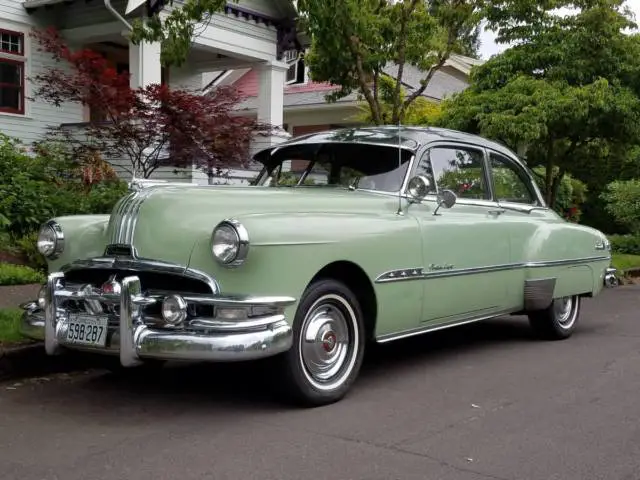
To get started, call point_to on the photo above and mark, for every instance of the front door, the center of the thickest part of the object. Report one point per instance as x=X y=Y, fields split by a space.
x=464 y=248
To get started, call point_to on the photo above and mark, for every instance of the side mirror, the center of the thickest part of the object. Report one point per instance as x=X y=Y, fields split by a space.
x=418 y=188
x=446 y=199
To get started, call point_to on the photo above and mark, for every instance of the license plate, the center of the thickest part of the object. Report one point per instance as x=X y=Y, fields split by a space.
x=88 y=330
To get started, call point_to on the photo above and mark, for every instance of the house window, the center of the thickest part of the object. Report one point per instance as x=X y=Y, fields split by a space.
x=296 y=73
x=12 y=64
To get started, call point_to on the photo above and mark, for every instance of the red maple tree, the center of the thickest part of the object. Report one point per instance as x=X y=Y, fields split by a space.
x=150 y=127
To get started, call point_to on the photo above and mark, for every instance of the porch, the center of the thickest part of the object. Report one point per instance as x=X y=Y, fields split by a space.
x=239 y=37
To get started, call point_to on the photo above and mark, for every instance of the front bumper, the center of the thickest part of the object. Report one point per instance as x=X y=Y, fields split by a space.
x=247 y=336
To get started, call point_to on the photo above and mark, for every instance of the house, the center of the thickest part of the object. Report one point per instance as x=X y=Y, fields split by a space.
x=305 y=107
x=253 y=34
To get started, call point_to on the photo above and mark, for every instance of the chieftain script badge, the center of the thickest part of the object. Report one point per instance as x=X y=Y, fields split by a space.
x=434 y=268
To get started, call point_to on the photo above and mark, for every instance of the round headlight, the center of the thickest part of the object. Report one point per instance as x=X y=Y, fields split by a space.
x=50 y=240
x=174 y=309
x=230 y=243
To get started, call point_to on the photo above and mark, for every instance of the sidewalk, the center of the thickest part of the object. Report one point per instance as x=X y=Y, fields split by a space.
x=13 y=296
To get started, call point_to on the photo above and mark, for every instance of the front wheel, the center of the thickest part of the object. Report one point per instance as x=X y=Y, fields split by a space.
x=558 y=320
x=328 y=345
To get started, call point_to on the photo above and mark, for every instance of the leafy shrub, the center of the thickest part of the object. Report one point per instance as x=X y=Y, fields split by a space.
x=27 y=246
x=19 y=275
x=49 y=183
x=627 y=244
x=572 y=193
x=622 y=201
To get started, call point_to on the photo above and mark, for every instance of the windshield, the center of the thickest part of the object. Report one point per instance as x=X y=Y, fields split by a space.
x=348 y=165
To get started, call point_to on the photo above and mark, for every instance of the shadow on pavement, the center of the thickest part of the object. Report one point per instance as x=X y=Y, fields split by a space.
x=211 y=389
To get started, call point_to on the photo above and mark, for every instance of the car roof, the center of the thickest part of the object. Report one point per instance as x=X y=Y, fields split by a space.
x=406 y=137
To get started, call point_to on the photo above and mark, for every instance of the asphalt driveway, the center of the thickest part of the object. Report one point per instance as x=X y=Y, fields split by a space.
x=485 y=401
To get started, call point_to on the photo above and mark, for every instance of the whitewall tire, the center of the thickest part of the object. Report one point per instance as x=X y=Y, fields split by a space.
x=328 y=345
x=559 y=320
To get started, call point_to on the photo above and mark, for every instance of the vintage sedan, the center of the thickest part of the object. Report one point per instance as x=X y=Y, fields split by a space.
x=345 y=237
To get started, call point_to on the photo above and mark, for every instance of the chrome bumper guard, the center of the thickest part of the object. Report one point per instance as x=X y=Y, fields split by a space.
x=610 y=278
x=246 y=337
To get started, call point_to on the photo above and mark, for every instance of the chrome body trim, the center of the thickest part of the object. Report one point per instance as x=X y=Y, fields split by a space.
x=538 y=293
x=125 y=216
x=420 y=273
x=389 y=337
x=258 y=328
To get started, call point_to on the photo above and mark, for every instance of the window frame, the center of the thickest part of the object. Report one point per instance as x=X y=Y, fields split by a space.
x=520 y=172
x=21 y=66
x=19 y=59
x=454 y=145
x=295 y=63
x=22 y=40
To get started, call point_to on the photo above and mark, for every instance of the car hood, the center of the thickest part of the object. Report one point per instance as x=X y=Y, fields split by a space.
x=166 y=222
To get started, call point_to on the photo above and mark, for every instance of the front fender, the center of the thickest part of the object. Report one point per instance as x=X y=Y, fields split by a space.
x=287 y=251
x=85 y=236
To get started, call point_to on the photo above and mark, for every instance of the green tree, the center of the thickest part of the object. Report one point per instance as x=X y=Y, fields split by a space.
x=566 y=95
x=353 y=40
x=177 y=28
x=421 y=111
x=623 y=203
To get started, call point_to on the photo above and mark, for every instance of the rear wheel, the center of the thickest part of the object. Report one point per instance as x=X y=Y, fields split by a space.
x=557 y=321
x=328 y=345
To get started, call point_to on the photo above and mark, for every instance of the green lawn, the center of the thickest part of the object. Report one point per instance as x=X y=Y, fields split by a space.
x=9 y=322
x=623 y=261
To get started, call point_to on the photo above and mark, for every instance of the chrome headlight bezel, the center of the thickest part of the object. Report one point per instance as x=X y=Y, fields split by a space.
x=241 y=243
x=53 y=230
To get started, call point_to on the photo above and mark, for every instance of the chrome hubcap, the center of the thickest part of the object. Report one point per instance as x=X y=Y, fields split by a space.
x=328 y=342
x=564 y=311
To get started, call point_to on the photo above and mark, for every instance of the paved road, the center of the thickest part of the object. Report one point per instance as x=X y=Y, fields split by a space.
x=480 y=402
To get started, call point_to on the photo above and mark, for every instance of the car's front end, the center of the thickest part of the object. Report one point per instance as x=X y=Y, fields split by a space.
x=138 y=308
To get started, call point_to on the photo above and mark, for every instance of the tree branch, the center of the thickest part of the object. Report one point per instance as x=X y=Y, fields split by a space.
x=398 y=111
x=442 y=59
x=354 y=44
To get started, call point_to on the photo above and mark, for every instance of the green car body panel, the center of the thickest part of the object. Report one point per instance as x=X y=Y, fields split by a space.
x=296 y=232
x=414 y=262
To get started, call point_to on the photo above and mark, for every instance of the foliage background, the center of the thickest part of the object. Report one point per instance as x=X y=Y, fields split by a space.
x=47 y=182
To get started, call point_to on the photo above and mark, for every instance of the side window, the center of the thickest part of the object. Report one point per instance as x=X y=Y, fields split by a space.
x=455 y=168
x=508 y=181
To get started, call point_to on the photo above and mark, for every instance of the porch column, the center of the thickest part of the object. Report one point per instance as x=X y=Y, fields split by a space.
x=271 y=77
x=144 y=64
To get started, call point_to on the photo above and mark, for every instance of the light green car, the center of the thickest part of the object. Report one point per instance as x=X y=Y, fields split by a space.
x=346 y=237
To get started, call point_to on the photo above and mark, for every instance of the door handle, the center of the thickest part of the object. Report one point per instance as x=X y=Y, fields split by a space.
x=497 y=211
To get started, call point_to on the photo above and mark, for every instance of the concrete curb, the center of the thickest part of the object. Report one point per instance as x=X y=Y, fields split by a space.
x=31 y=360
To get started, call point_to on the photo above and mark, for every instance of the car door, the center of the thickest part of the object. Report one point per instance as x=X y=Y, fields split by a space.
x=464 y=248
x=521 y=213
